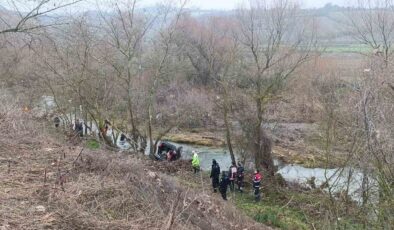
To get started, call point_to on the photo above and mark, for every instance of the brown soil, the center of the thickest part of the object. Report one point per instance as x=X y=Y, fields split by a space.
x=47 y=184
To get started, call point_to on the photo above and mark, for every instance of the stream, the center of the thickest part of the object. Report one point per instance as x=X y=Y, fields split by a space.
x=338 y=179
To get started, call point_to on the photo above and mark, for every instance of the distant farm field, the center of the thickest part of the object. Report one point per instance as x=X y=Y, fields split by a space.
x=347 y=48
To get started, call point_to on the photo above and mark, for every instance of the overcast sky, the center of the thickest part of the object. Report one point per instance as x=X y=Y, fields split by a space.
x=231 y=4
x=201 y=4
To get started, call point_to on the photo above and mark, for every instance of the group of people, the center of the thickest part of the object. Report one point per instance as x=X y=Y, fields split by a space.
x=235 y=175
x=79 y=127
x=168 y=151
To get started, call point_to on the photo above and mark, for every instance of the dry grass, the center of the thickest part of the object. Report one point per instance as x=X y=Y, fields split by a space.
x=196 y=139
x=46 y=184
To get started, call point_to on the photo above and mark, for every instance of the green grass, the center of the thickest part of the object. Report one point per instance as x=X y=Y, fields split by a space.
x=354 y=48
x=269 y=213
x=286 y=209
x=92 y=144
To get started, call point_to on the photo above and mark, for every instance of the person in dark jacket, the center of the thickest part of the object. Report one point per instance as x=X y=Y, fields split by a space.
x=224 y=181
x=215 y=174
x=56 y=120
x=240 y=177
x=256 y=184
x=178 y=153
x=122 y=137
x=233 y=175
x=79 y=127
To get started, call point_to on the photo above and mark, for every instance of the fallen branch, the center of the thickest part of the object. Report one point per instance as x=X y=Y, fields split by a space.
x=78 y=157
x=170 y=221
x=284 y=206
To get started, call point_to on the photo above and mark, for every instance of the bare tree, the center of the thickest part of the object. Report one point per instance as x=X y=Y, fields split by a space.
x=374 y=124
x=275 y=45
x=75 y=75
x=372 y=24
x=212 y=51
x=25 y=19
x=159 y=62
x=125 y=32
x=228 y=54
x=363 y=131
x=202 y=44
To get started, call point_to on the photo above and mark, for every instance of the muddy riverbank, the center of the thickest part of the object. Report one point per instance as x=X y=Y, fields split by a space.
x=283 y=149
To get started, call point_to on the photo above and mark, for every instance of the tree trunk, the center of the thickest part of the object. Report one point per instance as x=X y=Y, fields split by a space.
x=91 y=128
x=263 y=152
x=257 y=141
x=228 y=130
x=107 y=140
x=75 y=114
x=365 y=188
x=130 y=105
x=86 y=123
x=138 y=139
x=151 y=150
x=263 y=145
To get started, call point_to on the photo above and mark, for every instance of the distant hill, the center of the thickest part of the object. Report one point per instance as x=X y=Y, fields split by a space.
x=330 y=19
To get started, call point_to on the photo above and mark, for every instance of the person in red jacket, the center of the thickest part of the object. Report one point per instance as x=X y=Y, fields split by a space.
x=256 y=184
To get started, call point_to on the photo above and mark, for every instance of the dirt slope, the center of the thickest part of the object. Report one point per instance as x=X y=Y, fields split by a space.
x=49 y=184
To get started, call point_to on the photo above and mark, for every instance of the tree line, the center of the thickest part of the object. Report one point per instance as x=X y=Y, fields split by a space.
x=152 y=71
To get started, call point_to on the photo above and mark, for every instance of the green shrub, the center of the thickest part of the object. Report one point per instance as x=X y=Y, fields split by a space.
x=92 y=144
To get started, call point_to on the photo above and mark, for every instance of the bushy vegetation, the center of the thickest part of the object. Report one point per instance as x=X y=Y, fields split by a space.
x=257 y=78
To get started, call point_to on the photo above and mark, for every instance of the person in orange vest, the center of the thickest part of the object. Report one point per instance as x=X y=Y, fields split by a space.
x=256 y=184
